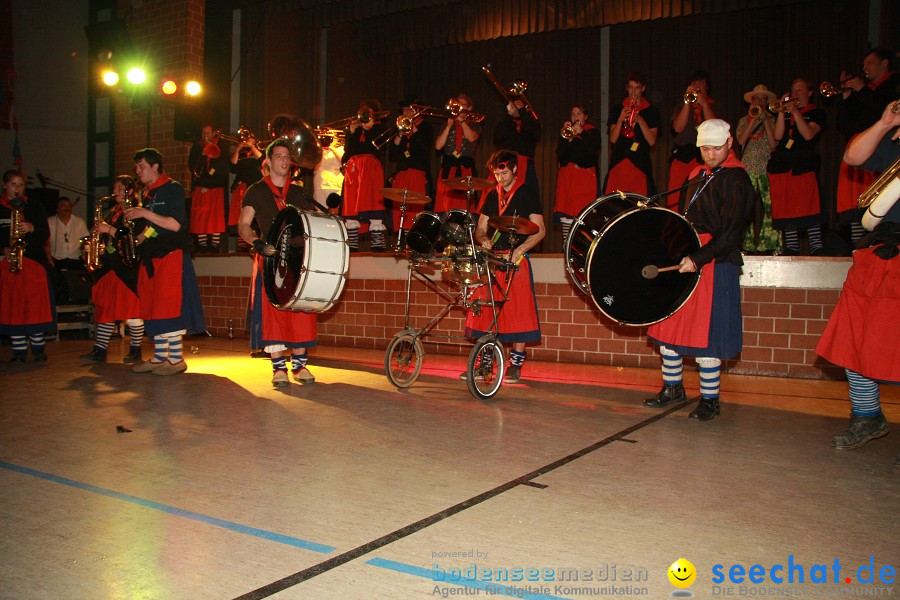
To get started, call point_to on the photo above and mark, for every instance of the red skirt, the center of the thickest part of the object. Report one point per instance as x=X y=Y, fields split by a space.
x=25 y=299
x=234 y=209
x=113 y=300
x=678 y=174
x=794 y=196
x=863 y=330
x=160 y=295
x=628 y=178
x=576 y=187
x=518 y=320
x=288 y=327
x=208 y=210
x=414 y=180
x=363 y=177
x=852 y=182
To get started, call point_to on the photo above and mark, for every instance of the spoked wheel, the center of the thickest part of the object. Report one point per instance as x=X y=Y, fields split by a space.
x=403 y=359
x=486 y=368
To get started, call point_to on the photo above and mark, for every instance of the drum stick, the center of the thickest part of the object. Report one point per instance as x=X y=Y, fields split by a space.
x=651 y=271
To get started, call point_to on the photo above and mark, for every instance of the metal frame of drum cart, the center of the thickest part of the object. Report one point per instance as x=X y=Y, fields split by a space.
x=405 y=353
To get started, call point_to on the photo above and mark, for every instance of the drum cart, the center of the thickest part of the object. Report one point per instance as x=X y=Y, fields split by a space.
x=469 y=267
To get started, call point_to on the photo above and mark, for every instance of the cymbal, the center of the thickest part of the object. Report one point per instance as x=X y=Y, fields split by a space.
x=513 y=225
x=468 y=182
x=401 y=194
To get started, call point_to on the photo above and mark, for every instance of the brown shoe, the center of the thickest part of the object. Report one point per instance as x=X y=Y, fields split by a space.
x=280 y=378
x=303 y=376
x=169 y=368
x=147 y=366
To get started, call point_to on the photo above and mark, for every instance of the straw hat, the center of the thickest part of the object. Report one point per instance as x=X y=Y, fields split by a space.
x=760 y=89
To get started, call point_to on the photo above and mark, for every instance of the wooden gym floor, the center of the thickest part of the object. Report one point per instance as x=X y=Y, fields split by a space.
x=212 y=484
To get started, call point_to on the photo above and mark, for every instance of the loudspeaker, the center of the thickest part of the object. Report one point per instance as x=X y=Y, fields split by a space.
x=188 y=123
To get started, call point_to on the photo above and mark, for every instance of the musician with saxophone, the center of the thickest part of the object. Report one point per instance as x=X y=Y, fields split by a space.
x=364 y=177
x=863 y=97
x=696 y=107
x=632 y=135
x=167 y=285
x=793 y=167
x=863 y=330
x=577 y=152
x=410 y=151
x=209 y=167
x=457 y=142
x=756 y=136
x=27 y=307
x=115 y=292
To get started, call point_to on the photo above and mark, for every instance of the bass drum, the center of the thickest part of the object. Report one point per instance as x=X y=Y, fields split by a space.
x=312 y=257
x=611 y=242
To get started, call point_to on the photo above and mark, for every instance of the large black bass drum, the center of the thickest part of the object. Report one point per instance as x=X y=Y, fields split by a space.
x=312 y=257
x=611 y=244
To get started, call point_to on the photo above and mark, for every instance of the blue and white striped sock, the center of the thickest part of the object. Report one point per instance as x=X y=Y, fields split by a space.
x=672 y=366
x=19 y=344
x=516 y=359
x=175 y=350
x=37 y=342
x=298 y=362
x=710 y=371
x=160 y=348
x=279 y=364
x=865 y=396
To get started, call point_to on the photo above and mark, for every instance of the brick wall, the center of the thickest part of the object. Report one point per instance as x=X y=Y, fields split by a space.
x=169 y=33
x=781 y=325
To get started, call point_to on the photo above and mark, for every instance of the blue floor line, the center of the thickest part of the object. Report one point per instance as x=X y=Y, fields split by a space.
x=517 y=589
x=230 y=525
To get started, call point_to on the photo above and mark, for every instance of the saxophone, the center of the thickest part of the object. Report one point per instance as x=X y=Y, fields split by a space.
x=93 y=246
x=127 y=244
x=16 y=240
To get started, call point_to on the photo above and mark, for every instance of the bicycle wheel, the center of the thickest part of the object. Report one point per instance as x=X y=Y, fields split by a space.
x=403 y=359
x=487 y=365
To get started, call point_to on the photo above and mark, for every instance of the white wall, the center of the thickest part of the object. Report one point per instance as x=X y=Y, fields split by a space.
x=50 y=54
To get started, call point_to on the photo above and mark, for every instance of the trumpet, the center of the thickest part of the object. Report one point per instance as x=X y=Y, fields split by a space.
x=628 y=126
x=568 y=131
x=828 y=89
x=756 y=111
x=515 y=91
x=691 y=97
x=784 y=105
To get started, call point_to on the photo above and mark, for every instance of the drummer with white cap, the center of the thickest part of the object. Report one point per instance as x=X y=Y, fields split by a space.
x=720 y=205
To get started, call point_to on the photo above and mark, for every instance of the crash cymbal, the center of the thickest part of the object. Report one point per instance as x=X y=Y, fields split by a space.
x=401 y=194
x=513 y=225
x=468 y=182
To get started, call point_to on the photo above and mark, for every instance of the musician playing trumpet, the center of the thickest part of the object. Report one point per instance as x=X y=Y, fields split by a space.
x=410 y=151
x=115 y=293
x=756 y=136
x=632 y=135
x=576 y=156
x=26 y=310
x=456 y=142
x=363 y=177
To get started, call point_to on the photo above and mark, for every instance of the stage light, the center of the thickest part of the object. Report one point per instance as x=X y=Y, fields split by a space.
x=136 y=76
x=169 y=87
x=193 y=88
x=110 y=78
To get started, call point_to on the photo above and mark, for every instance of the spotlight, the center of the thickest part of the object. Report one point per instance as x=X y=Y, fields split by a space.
x=136 y=76
x=193 y=88
x=110 y=78
x=169 y=87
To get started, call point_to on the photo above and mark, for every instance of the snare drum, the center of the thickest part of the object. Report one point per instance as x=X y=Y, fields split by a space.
x=425 y=232
x=610 y=243
x=309 y=268
x=456 y=227
x=458 y=266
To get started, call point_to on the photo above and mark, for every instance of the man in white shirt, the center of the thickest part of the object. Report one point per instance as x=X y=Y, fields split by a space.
x=66 y=231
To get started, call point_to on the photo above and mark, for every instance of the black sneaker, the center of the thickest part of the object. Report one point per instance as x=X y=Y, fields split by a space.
x=133 y=356
x=18 y=357
x=513 y=374
x=860 y=431
x=667 y=395
x=39 y=355
x=94 y=356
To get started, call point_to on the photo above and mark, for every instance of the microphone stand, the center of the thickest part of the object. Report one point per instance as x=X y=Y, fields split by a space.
x=46 y=180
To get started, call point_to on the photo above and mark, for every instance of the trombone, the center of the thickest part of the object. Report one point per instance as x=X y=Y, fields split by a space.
x=515 y=91
x=363 y=116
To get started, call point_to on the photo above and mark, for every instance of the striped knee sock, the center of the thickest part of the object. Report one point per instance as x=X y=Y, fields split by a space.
x=37 y=341
x=865 y=397
x=814 y=235
x=137 y=331
x=175 y=350
x=710 y=369
x=353 y=237
x=672 y=366
x=19 y=344
x=856 y=231
x=104 y=333
x=566 y=226
x=214 y=239
x=160 y=348
x=792 y=240
x=298 y=362
x=279 y=364
x=516 y=359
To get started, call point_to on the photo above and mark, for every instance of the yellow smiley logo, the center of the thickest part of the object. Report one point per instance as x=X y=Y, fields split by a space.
x=682 y=573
